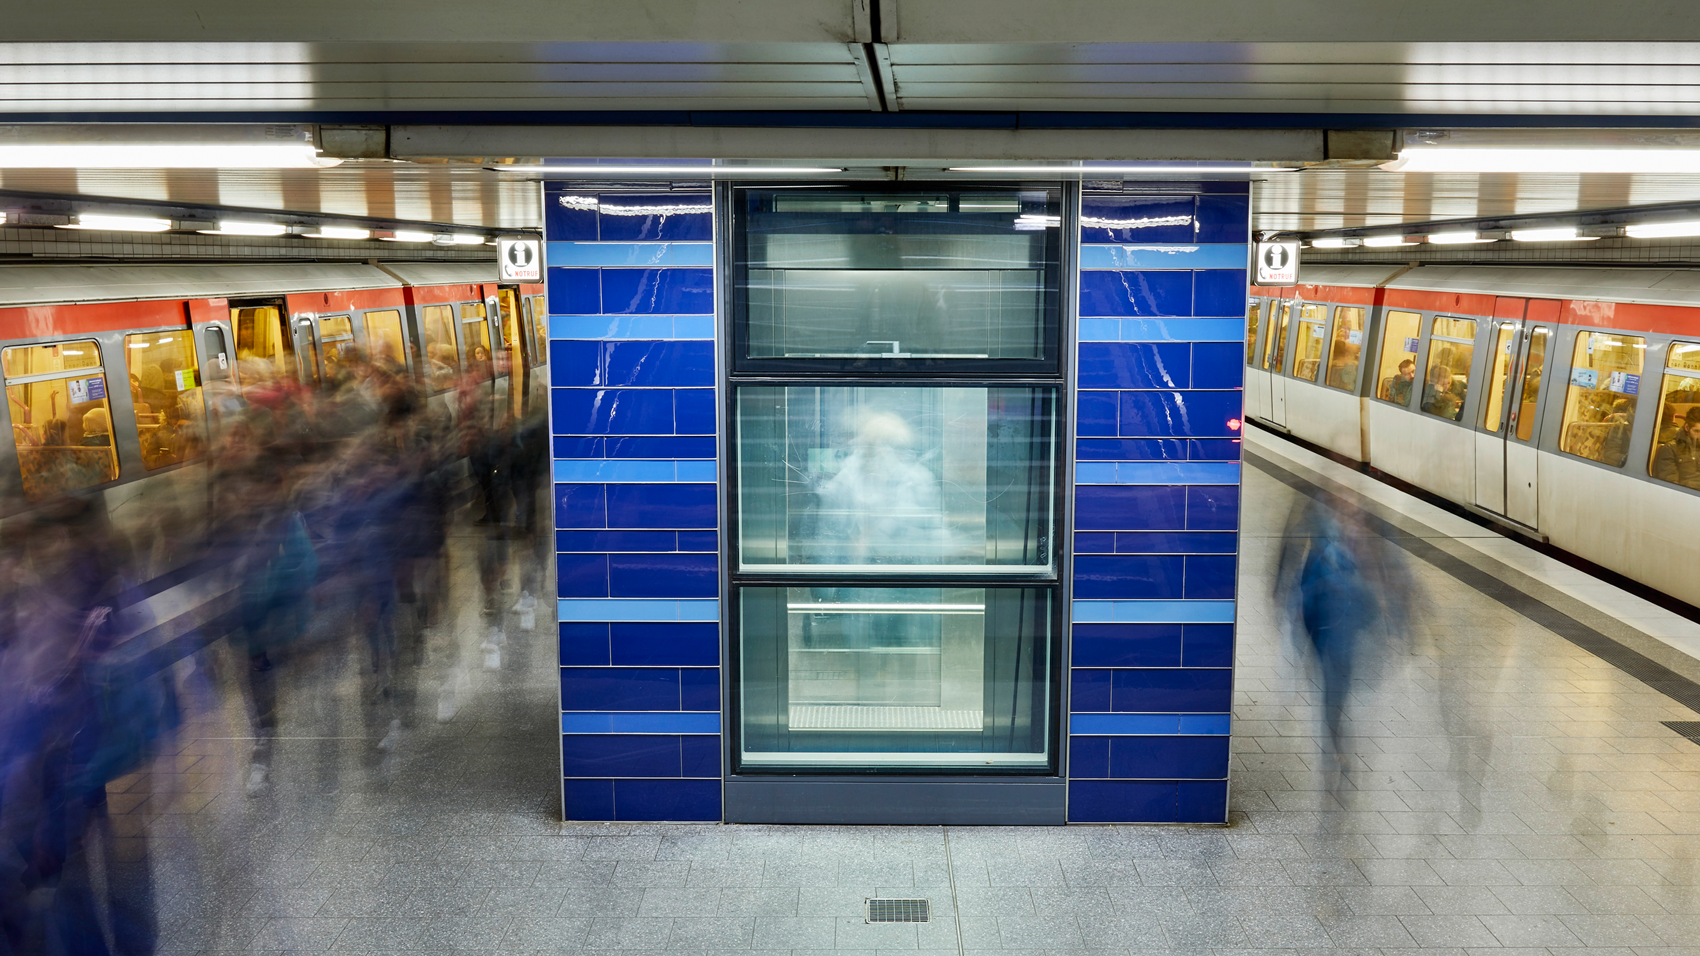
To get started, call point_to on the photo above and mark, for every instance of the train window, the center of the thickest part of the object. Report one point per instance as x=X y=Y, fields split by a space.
x=264 y=349
x=61 y=417
x=442 y=359
x=1345 y=349
x=218 y=357
x=475 y=332
x=383 y=339
x=1504 y=340
x=337 y=334
x=1676 y=445
x=540 y=329
x=1532 y=372
x=1599 y=407
x=1252 y=316
x=1307 y=349
x=165 y=385
x=1398 y=369
x=1451 y=347
x=1276 y=357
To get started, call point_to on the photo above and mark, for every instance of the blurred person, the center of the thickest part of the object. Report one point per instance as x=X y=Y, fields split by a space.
x=1678 y=461
x=56 y=432
x=1438 y=396
x=1400 y=390
x=97 y=428
x=1615 y=448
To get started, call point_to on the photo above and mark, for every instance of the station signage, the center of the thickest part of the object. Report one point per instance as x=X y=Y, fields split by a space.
x=1278 y=262
x=521 y=260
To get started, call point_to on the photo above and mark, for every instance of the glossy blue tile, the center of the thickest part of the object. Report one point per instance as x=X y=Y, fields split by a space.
x=584 y=644
x=1218 y=365
x=1191 y=414
x=670 y=801
x=1146 y=577
x=1150 y=612
x=1190 y=255
x=1096 y=413
x=700 y=756
x=639 y=722
x=1201 y=801
x=1149 y=473
x=580 y=506
x=663 y=575
x=1121 y=801
x=657 y=446
x=690 y=506
x=1094 y=542
x=569 y=217
x=612 y=411
x=699 y=541
x=1125 y=725
x=1130 y=507
x=616 y=541
x=1130 y=449
x=665 y=217
x=1127 y=645
x=588 y=800
x=1209 y=577
x=1099 y=330
x=700 y=688
x=1169 y=757
x=1136 y=219
x=649 y=327
x=1213 y=449
x=575 y=363
x=595 y=471
x=620 y=755
x=581 y=575
x=619 y=688
x=620 y=254
x=1088 y=757
x=1181 y=330
x=1135 y=365
x=579 y=446
x=1117 y=293
x=646 y=609
x=1089 y=690
x=1184 y=690
x=1208 y=645
x=1218 y=293
x=1176 y=542
x=1212 y=508
x=575 y=292
x=695 y=411
x=656 y=364
x=1224 y=218
x=657 y=291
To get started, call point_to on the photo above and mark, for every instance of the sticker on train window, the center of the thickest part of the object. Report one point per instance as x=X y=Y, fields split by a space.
x=87 y=389
x=1355 y=337
x=1410 y=344
x=1624 y=383
x=189 y=378
x=1585 y=377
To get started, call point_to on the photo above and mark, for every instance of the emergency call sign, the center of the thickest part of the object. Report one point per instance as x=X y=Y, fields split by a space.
x=521 y=259
x=1278 y=262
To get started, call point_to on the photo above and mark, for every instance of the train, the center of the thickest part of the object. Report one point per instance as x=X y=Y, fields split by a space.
x=1559 y=403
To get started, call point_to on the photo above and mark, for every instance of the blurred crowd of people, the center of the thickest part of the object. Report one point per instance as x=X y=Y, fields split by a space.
x=324 y=538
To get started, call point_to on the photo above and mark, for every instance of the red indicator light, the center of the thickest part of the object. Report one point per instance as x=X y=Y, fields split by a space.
x=1234 y=424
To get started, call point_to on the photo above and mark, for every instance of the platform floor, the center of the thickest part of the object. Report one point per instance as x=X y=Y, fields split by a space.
x=1509 y=790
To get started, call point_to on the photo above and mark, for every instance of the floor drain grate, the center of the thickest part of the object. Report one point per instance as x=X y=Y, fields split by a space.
x=1687 y=728
x=898 y=911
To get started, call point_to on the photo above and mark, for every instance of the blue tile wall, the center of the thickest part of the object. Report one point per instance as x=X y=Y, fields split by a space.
x=1161 y=321
x=632 y=413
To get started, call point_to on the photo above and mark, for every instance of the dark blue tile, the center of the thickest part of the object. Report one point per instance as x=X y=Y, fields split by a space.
x=1130 y=507
x=657 y=291
x=575 y=291
x=580 y=506
x=1141 y=219
x=1180 y=414
x=619 y=688
x=662 y=506
x=699 y=541
x=1182 y=691
x=579 y=446
x=1213 y=508
x=1218 y=293
x=1218 y=365
x=1128 y=577
x=588 y=800
x=700 y=754
x=1214 y=449
x=664 y=575
x=686 y=801
x=1202 y=801
x=661 y=446
x=1127 y=645
x=1121 y=801
x=1224 y=218
x=670 y=217
x=1094 y=542
x=1135 y=364
x=1208 y=645
x=613 y=411
x=1210 y=577
x=695 y=644
x=1097 y=413
x=1130 y=449
x=1176 y=542
x=581 y=575
x=616 y=541
x=1088 y=757
x=1089 y=691
x=700 y=688
x=575 y=363
x=695 y=415
x=1169 y=757
x=571 y=220
x=662 y=364
x=1127 y=292
x=584 y=645
x=620 y=755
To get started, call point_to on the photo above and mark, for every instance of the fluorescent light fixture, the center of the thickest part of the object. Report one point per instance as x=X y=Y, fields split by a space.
x=1455 y=238
x=231 y=227
x=403 y=235
x=1483 y=159
x=119 y=223
x=643 y=172
x=1555 y=234
x=160 y=146
x=339 y=232
x=1336 y=242
x=464 y=239
x=1661 y=230
x=1164 y=168
x=1386 y=241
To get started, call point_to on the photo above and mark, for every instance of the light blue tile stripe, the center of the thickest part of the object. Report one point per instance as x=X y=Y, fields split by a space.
x=1148 y=725
x=639 y=609
x=1154 y=612
x=646 y=471
x=631 y=326
x=641 y=723
x=1162 y=330
x=1157 y=473
x=1213 y=255
x=631 y=254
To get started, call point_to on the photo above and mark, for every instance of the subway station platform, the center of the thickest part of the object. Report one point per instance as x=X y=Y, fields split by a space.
x=1511 y=784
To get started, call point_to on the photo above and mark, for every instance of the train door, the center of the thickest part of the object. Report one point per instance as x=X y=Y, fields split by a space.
x=1506 y=461
x=1277 y=404
x=336 y=342
x=514 y=348
x=307 y=351
x=264 y=340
